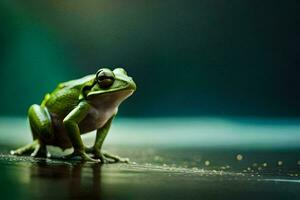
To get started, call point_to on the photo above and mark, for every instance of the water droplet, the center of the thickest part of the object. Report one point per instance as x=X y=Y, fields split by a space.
x=298 y=162
x=207 y=163
x=254 y=164
x=280 y=163
x=158 y=158
x=264 y=164
x=239 y=157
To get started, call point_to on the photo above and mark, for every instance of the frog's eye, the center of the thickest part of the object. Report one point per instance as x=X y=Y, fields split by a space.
x=120 y=71
x=105 y=78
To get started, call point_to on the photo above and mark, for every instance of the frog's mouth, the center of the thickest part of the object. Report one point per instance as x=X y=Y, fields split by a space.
x=128 y=88
x=98 y=93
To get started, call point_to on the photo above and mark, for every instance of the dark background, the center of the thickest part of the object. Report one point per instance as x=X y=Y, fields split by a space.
x=188 y=58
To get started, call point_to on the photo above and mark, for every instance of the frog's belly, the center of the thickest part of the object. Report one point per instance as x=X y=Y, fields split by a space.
x=95 y=119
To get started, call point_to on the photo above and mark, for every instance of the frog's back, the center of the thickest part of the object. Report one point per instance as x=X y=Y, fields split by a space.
x=77 y=82
x=66 y=96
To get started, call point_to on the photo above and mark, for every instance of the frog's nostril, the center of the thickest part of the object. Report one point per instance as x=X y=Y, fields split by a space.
x=132 y=84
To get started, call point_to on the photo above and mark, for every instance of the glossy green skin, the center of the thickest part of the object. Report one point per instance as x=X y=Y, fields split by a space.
x=74 y=108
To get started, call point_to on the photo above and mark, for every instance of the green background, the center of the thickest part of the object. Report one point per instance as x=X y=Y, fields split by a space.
x=188 y=58
x=216 y=79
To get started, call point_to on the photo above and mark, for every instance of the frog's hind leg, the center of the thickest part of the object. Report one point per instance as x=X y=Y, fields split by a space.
x=42 y=132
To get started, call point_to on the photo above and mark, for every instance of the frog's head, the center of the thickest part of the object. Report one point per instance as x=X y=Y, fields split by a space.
x=116 y=84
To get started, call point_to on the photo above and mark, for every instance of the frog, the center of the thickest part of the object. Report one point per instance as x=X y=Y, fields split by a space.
x=77 y=107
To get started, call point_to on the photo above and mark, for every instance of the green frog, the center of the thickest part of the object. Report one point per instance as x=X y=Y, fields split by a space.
x=77 y=107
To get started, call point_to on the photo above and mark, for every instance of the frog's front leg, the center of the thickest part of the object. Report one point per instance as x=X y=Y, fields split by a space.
x=42 y=132
x=97 y=148
x=71 y=125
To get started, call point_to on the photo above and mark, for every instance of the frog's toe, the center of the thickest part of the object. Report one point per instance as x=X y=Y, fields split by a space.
x=16 y=152
x=98 y=155
x=28 y=149
x=105 y=157
x=20 y=152
x=84 y=157
x=116 y=158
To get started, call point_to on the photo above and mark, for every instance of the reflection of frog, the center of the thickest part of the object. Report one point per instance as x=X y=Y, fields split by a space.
x=76 y=180
x=76 y=107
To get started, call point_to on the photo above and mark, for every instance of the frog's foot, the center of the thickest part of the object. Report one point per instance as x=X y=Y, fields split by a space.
x=40 y=151
x=84 y=156
x=116 y=158
x=105 y=157
x=97 y=154
x=25 y=150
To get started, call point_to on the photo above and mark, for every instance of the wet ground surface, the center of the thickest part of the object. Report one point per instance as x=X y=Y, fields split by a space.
x=156 y=174
x=170 y=159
